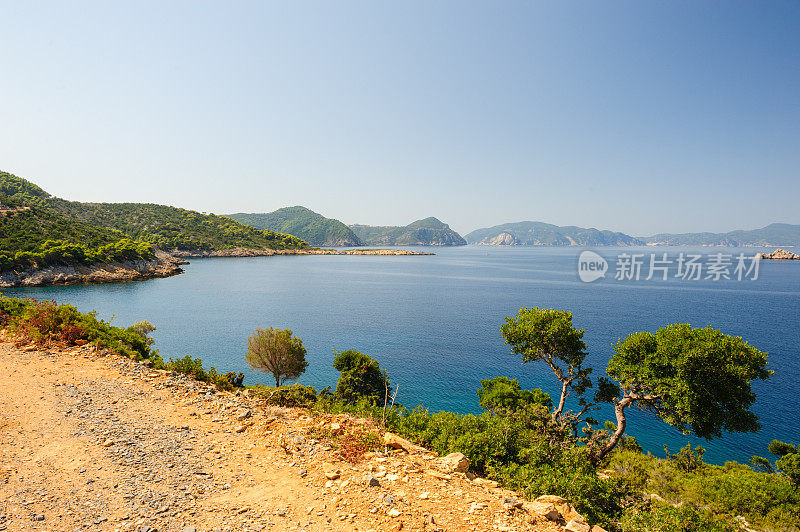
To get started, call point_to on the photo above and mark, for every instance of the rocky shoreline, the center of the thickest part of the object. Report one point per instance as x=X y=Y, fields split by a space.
x=163 y=265
x=248 y=252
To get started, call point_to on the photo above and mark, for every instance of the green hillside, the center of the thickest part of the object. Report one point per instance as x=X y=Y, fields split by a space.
x=542 y=234
x=303 y=223
x=427 y=232
x=785 y=235
x=35 y=236
x=172 y=228
x=37 y=229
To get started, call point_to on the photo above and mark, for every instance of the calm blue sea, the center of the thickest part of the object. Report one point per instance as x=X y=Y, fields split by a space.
x=433 y=321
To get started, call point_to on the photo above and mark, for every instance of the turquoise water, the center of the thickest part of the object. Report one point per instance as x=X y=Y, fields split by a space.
x=433 y=321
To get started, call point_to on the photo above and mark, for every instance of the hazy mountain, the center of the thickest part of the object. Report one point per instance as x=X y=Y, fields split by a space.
x=428 y=232
x=303 y=223
x=772 y=235
x=542 y=234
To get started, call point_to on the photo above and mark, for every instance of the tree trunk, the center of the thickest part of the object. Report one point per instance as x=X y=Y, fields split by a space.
x=277 y=380
x=557 y=412
x=619 y=411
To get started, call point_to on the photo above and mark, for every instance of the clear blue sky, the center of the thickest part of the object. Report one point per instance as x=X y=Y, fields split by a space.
x=634 y=116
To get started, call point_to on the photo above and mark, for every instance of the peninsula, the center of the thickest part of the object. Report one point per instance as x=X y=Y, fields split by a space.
x=46 y=240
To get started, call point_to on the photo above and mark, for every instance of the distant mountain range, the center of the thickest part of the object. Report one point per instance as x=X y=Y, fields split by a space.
x=786 y=235
x=318 y=230
x=543 y=234
x=427 y=232
x=302 y=223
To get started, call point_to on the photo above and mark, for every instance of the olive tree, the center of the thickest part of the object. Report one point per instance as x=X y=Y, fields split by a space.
x=277 y=352
x=697 y=380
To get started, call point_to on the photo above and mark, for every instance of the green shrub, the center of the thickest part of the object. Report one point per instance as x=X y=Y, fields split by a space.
x=45 y=322
x=663 y=518
x=295 y=395
x=361 y=378
x=194 y=368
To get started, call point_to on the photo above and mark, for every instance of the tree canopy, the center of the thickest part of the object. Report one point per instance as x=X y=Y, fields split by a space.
x=277 y=352
x=502 y=395
x=361 y=377
x=548 y=335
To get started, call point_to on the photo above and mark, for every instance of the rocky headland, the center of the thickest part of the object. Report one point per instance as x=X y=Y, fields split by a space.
x=163 y=265
x=780 y=254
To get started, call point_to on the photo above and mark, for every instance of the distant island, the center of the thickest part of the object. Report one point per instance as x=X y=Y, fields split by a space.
x=544 y=234
x=787 y=235
x=780 y=254
x=303 y=223
x=427 y=232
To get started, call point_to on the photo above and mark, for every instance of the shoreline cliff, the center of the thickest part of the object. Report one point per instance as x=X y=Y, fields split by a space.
x=164 y=265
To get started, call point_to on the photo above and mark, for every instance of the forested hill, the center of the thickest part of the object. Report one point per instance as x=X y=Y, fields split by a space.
x=37 y=229
x=303 y=223
x=172 y=228
x=543 y=234
x=427 y=232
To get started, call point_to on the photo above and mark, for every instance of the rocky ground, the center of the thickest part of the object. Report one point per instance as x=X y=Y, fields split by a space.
x=94 y=441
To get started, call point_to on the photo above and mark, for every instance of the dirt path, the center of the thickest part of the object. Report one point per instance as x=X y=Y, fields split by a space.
x=97 y=442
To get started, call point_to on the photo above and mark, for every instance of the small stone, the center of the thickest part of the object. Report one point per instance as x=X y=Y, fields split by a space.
x=424 y=495
x=510 y=503
x=577 y=524
x=437 y=474
x=394 y=512
x=373 y=482
x=477 y=506
x=454 y=463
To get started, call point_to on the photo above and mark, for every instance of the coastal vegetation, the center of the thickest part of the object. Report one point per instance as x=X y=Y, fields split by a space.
x=426 y=232
x=303 y=223
x=525 y=440
x=38 y=230
x=696 y=379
